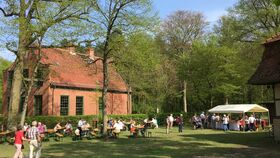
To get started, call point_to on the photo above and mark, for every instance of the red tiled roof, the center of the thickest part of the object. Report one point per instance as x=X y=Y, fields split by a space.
x=72 y=70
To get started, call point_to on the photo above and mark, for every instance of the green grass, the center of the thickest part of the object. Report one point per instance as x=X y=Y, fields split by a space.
x=190 y=143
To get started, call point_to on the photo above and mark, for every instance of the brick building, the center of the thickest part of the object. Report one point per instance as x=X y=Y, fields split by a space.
x=68 y=83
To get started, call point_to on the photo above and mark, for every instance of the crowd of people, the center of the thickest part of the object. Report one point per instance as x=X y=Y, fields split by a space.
x=226 y=122
x=35 y=132
x=170 y=121
x=116 y=126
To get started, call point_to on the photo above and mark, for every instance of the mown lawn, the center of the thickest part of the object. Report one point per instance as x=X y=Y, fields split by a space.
x=190 y=143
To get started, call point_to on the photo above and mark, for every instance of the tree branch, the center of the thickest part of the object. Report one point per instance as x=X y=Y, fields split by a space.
x=8 y=14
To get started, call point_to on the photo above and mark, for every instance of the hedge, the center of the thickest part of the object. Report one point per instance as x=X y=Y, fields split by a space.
x=50 y=121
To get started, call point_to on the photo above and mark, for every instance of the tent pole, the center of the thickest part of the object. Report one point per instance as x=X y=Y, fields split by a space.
x=268 y=118
x=244 y=125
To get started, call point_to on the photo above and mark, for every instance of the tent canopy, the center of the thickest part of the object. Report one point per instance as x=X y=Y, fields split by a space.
x=238 y=108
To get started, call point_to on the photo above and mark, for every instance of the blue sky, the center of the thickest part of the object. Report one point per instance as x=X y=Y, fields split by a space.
x=212 y=9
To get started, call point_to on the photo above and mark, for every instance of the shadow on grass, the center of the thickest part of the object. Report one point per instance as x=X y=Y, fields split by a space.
x=193 y=145
x=252 y=144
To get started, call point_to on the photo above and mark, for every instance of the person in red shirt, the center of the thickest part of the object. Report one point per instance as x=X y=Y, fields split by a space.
x=19 y=137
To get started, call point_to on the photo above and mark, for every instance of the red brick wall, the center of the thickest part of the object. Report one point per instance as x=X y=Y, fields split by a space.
x=4 y=92
x=117 y=103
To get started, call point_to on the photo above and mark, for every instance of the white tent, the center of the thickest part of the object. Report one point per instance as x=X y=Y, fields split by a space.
x=238 y=108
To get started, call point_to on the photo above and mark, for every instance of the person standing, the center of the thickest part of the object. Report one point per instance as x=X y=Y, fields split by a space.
x=202 y=117
x=252 y=122
x=180 y=123
x=35 y=142
x=225 y=122
x=19 y=138
x=167 y=125
x=171 y=120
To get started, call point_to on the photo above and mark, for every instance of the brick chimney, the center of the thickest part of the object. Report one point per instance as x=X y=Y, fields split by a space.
x=90 y=53
x=71 y=50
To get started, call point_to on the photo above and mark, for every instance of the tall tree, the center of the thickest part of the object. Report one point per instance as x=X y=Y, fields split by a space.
x=180 y=29
x=33 y=18
x=252 y=20
x=110 y=16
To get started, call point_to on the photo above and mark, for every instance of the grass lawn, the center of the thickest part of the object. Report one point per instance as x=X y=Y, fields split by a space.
x=190 y=143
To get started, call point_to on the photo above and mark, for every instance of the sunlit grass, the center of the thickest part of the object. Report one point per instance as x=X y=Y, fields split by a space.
x=190 y=143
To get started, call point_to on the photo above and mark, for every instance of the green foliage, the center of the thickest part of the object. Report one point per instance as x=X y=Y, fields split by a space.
x=251 y=20
x=141 y=65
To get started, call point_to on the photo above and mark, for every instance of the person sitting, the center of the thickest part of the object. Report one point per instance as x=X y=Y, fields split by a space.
x=68 y=128
x=122 y=125
x=85 y=128
x=76 y=135
x=117 y=127
x=57 y=127
x=154 y=122
x=132 y=128
x=41 y=128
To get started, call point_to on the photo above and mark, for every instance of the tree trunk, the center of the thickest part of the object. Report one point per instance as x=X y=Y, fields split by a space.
x=15 y=96
x=226 y=101
x=29 y=88
x=24 y=39
x=211 y=101
x=104 y=93
x=185 y=97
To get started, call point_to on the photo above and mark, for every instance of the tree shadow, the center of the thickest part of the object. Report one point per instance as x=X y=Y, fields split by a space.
x=194 y=145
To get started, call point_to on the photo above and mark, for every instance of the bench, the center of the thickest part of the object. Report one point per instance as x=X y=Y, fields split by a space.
x=269 y=130
x=7 y=137
x=59 y=136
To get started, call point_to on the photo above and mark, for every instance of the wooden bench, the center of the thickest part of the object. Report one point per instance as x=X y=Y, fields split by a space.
x=59 y=136
x=7 y=137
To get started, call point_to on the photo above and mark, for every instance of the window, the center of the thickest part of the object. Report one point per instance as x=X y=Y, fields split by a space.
x=39 y=77
x=21 y=104
x=25 y=73
x=79 y=105
x=38 y=104
x=100 y=101
x=64 y=104
x=10 y=78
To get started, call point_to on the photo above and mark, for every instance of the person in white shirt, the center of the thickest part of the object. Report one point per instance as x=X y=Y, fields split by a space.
x=117 y=128
x=171 y=120
x=252 y=122
x=154 y=121
x=225 y=122
x=80 y=125
x=202 y=117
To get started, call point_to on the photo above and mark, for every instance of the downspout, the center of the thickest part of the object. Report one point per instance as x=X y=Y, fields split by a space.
x=53 y=99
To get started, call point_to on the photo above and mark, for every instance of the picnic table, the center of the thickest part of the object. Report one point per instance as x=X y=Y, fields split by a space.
x=6 y=136
x=138 y=130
